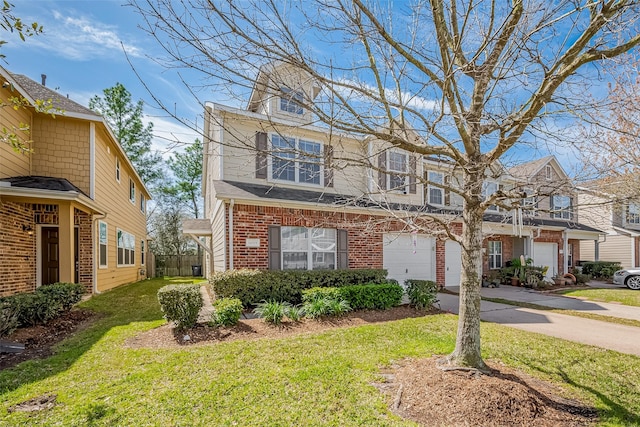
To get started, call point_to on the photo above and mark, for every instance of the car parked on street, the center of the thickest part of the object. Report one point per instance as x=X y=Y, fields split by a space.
x=629 y=277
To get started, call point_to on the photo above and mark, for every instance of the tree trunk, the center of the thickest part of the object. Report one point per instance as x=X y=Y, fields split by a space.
x=467 y=352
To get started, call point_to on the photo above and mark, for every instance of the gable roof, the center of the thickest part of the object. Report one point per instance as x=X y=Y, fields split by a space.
x=261 y=84
x=530 y=169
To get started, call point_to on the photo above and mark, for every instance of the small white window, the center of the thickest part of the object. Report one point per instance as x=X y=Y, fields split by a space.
x=291 y=101
x=102 y=232
x=436 y=194
x=132 y=191
x=548 y=172
x=561 y=207
x=633 y=216
x=117 y=169
x=397 y=163
x=495 y=254
x=308 y=248
x=142 y=203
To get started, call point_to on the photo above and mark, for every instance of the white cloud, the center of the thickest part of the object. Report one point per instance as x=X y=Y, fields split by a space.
x=81 y=38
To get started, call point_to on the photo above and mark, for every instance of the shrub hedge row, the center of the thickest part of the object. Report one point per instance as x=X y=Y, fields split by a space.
x=254 y=286
x=41 y=306
x=600 y=269
x=422 y=293
x=372 y=296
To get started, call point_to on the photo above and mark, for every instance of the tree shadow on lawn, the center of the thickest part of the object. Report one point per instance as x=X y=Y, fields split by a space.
x=133 y=303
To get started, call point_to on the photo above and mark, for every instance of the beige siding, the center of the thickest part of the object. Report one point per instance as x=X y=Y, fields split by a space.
x=13 y=163
x=617 y=248
x=219 y=239
x=587 y=250
x=123 y=215
x=594 y=211
x=61 y=149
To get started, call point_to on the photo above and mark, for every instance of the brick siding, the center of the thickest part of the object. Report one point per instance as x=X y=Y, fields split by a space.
x=17 y=249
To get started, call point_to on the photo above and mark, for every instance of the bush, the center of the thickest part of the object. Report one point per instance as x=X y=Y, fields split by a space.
x=251 y=286
x=33 y=309
x=64 y=295
x=422 y=293
x=319 y=302
x=226 y=311
x=272 y=311
x=294 y=313
x=8 y=317
x=600 y=269
x=372 y=296
x=582 y=279
x=181 y=304
x=317 y=293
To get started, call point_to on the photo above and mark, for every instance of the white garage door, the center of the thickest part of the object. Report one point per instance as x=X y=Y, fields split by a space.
x=546 y=254
x=409 y=256
x=453 y=263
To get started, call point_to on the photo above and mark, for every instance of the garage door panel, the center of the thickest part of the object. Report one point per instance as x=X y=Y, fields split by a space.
x=407 y=256
x=546 y=254
x=453 y=263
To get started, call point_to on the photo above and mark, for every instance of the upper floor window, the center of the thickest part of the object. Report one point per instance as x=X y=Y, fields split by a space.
x=436 y=194
x=296 y=160
x=530 y=203
x=132 y=191
x=489 y=188
x=142 y=203
x=548 y=172
x=633 y=214
x=291 y=101
x=561 y=207
x=397 y=163
x=117 y=169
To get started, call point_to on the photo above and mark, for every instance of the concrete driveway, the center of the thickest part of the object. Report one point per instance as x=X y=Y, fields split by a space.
x=625 y=339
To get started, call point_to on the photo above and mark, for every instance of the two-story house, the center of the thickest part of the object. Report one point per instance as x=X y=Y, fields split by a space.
x=284 y=193
x=72 y=207
x=603 y=207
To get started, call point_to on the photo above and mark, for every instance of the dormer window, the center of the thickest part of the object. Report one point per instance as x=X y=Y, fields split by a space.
x=398 y=164
x=291 y=101
x=547 y=172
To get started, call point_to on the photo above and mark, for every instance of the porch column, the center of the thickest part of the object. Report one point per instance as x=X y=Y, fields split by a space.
x=66 y=242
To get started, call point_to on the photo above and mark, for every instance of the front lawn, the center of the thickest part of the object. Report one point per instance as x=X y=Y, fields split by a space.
x=318 y=379
x=621 y=295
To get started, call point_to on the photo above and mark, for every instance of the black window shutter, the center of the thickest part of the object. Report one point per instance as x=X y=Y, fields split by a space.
x=382 y=167
x=275 y=252
x=328 y=168
x=343 y=249
x=261 y=155
x=412 y=174
x=447 y=192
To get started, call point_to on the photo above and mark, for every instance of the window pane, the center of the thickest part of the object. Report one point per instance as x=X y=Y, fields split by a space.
x=323 y=239
x=290 y=101
x=294 y=239
x=324 y=261
x=309 y=162
x=435 y=196
x=282 y=164
x=294 y=260
x=120 y=256
x=103 y=233
x=103 y=255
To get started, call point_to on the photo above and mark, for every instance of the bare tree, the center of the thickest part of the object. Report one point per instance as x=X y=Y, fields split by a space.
x=472 y=79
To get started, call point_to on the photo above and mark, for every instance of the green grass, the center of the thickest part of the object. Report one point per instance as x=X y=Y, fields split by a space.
x=320 y=380
x=620 y=295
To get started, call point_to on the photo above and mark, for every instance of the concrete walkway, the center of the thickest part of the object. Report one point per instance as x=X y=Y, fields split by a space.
x=621 y=338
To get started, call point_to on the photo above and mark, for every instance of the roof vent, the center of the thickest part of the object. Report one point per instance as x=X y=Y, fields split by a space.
x=44 y=79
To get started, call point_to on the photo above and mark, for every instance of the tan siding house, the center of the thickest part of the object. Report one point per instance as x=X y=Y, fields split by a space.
x=72 y=207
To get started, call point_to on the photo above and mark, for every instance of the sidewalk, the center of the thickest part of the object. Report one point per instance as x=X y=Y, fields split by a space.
x=612 y=336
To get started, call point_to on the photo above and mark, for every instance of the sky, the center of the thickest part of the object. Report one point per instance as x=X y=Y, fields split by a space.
x=82 y=52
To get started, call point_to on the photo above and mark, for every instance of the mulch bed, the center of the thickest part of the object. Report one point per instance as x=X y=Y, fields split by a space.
x=416 y=389
x=40 y=339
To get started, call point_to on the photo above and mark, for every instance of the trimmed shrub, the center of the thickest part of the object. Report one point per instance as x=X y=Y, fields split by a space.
x=226 y=311
x=317 y=293
x=8 y=317
x=64 y=295
x=251 y=286
x=180 y=304
x=272 y=311
x=372 y=296
x=600 y=269
x=582 y=279
x=34 y=308
x=422 y=293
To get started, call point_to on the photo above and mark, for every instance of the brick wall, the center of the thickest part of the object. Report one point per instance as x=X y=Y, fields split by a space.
x=85 y=249
x=17 y=249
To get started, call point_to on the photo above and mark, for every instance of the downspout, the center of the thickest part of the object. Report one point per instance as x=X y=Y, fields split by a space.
x=96 y=250
x=231 y=203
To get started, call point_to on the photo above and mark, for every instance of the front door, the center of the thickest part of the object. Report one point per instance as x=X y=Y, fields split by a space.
x=50 y=255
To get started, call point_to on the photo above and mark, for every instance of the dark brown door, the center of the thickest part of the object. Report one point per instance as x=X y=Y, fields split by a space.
x=50 y=255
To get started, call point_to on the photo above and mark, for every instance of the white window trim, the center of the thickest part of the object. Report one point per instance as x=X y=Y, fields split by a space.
x=143 y=206
x=309 y=248
x=559 y=213
x=390 y=172
x=282 y=96
x=106 y=265
x=492 y=244
x=132 y=191
x=133 y=250
x=118 y=171
x=296 y=162
x=430 y=187
x=548 y=172
x=636 y=220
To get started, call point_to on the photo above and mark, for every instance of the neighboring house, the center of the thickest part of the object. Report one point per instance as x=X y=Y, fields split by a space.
x=619 y=220
x=283 y=193
x=72 y=209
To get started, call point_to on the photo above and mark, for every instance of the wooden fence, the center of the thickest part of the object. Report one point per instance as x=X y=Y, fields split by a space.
x=176 y=265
